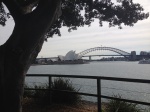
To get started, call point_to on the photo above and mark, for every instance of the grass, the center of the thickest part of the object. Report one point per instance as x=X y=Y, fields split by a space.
x=121 y=106
x=64 y=97
x=57 y=97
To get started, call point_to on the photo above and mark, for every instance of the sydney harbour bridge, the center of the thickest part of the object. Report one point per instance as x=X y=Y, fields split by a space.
x=117 y=51
x=132 y=56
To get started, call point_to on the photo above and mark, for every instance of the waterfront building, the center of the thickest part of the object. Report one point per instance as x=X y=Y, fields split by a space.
x=70 y=56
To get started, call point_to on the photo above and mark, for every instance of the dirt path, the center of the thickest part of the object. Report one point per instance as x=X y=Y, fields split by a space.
x=84 y=106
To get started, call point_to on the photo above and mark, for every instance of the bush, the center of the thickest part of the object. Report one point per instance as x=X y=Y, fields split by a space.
x=64 y=97
x=147 y=110
x=121 y=106
x=43 y=96
x=28 y=93
x=40 y=96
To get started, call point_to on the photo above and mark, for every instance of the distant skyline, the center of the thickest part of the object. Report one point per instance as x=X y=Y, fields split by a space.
x=128 y=39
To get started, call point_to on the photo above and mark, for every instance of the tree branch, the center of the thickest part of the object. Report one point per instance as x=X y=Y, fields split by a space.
x=14 y=8
x=28 y=5
x=48 y=8
x=28 y=2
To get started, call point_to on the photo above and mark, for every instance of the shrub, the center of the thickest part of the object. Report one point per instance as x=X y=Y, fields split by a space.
x=147 y=110
x=40 y=95
x=28 y=93
x=121 y=106
x=43 y=96
x=64 y=97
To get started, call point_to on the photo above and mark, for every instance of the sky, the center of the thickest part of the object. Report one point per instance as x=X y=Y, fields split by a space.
x=136 y=38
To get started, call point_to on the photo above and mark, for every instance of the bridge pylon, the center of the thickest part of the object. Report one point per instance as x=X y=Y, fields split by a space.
x=133 y=56
x=89 y=58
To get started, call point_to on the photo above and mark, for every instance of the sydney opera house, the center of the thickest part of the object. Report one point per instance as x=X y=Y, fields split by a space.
x=70 y=58
x=71 y=55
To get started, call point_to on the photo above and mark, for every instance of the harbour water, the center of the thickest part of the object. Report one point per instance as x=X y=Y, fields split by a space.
x=134 y=91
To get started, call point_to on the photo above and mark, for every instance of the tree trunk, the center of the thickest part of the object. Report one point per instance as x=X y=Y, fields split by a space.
x=20 y=50
x=14 y=64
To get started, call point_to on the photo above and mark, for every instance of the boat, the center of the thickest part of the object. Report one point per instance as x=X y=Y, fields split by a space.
x=144 y=61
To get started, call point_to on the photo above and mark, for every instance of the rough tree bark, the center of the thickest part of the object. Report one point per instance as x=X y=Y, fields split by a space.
x=24 y=44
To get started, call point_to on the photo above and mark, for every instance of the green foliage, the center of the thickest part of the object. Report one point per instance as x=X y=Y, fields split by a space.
x=121 y=106
x=147 y=110
x=3 y=15
x=43 y=96
x=64 y=97
x=28 y=93
x=78 y=13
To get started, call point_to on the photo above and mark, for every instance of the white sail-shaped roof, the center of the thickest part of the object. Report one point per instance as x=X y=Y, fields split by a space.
x=71 y=55
x=61 y=57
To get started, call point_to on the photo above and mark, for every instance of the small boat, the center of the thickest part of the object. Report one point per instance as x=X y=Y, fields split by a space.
x=143 y=61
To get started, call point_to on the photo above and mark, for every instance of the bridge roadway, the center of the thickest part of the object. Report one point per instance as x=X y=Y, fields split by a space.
x=137 y=57
x=104 y=55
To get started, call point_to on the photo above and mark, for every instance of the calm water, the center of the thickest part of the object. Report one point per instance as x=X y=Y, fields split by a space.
x=134 y=91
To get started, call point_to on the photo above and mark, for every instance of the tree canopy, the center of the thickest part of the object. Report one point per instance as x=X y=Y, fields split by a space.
x=77 y=13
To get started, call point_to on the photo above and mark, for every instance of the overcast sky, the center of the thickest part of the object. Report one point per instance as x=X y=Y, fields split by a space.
x=136 y=38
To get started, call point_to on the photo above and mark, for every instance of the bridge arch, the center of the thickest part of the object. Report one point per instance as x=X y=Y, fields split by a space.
x=121 y=52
